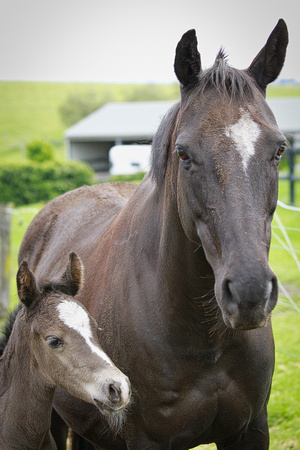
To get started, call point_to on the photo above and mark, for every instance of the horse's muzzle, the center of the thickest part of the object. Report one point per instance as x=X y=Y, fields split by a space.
x=246 y=302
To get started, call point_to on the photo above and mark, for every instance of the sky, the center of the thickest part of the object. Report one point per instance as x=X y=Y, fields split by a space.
x=121 y=41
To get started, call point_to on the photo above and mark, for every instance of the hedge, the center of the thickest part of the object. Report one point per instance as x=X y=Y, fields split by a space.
x=24 y=183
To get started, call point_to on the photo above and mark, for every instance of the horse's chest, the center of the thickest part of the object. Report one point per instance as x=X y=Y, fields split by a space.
x=204 y=399
x=204 y=406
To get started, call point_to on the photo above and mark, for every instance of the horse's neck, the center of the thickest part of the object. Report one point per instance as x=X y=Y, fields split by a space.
x=181 y=273
x=25 y=398
x=177 y=255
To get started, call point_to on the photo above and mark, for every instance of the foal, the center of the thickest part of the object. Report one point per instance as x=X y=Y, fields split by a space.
x=53 y=342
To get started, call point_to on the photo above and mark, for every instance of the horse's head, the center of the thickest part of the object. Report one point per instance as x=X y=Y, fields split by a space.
x=64 y=340
x=226 y=151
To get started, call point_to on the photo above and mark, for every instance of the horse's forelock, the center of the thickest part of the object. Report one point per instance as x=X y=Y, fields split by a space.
x=227 y=80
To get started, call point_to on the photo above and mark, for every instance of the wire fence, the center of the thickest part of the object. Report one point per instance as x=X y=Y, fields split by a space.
x=281 y=234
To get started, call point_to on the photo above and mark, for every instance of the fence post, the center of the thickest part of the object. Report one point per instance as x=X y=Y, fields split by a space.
x=291 y=159
x=5 y=229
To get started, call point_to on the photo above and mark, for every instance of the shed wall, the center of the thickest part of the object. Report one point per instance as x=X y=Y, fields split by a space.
x=93 y=153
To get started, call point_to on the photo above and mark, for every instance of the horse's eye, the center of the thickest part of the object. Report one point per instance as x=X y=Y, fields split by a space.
x=54 y=342
x=182 y=155
x=280 y=152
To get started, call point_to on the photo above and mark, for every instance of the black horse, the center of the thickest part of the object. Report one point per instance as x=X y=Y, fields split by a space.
x=178 y=277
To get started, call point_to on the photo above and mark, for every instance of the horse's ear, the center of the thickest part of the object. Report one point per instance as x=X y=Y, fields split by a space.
x=73 y=277
x=27 y=289
x=187 y=63
x=267 y=65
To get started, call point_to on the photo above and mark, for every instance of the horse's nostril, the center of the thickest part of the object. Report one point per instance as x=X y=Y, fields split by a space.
x=272 y=295
x=231 y=304
x=227 y=289
x=114 y=393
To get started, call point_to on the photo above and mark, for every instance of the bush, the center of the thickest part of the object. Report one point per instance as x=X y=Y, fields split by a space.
x=25 y=183
x=40 y=151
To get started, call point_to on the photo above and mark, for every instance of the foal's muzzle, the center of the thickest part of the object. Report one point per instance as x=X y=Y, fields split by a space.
x=114 y=395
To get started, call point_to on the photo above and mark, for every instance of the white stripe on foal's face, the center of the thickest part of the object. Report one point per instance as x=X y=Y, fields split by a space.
x=244 y=134
x=74 y=316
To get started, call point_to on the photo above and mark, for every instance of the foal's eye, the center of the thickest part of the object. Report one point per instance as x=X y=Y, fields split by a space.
x=54 y=342
x=280 y=152
x=182 y=155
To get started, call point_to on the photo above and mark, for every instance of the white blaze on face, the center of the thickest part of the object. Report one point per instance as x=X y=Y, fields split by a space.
x=244 y=134
x=74 y=316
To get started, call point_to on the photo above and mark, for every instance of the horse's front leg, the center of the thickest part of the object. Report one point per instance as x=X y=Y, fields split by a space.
x=255 y=437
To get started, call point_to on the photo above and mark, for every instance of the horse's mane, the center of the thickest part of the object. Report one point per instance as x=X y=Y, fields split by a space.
x=161 y=143
x=229 y=82
x=7 y=328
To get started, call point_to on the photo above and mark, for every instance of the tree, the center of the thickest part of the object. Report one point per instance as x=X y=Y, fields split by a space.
x=77 y=106
x=40 y=151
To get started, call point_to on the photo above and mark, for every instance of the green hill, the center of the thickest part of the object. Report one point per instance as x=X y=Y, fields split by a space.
x=31 y=110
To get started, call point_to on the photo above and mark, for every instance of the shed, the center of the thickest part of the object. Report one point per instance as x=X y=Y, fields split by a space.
x=91 y=138
x=287 y=113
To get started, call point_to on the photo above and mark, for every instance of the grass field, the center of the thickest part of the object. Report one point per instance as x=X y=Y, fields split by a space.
x=30 y=110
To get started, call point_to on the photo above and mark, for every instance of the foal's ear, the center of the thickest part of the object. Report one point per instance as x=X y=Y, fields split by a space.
x=187 y=63
x=267 y=65
x=73 y=277
x=26 y=284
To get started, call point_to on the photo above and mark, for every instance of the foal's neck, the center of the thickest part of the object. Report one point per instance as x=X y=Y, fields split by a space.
x=25 y=397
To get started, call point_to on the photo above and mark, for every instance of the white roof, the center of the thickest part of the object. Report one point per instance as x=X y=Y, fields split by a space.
x=132 y=120
x=140 y=120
